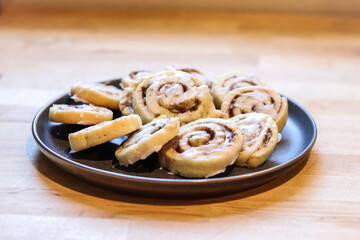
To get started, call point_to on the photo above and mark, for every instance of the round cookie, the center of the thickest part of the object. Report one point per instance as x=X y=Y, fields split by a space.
x=147 y=140
x=173 y=94
x=260 y=135
x=103 y=132
x=202 y=148
x=256 y=99
x=230 y=81
x=97 y=94
x=79 y=114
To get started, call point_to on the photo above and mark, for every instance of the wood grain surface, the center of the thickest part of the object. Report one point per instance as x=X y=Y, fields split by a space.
x=284 y=6
x=315 y=60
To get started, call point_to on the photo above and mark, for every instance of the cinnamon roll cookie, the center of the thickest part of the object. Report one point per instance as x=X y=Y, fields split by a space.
x=125 y=102
x=205 y=78
x=260 y=138
x=129 y=84
x=256 y=99
x=149 y=139
x=79 y=114
x=173 y=94
x=134 y=78
x=103 y=132
x=97 y=94
x=202 y=148
x=230 y=81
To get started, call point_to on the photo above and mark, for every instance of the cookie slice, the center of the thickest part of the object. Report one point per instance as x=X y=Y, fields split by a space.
x=103 y=132
x=149 y=139
x=202 y=148
x=97 y=94
x=79 y=114
x=260 y=138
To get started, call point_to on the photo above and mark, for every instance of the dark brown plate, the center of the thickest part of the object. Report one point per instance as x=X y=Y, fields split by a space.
x=98 y=165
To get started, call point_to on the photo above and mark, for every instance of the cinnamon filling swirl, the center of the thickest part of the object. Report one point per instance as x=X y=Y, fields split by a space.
x=201 y=136
x=252 y=99
x=173 y=94
x=202 y=148
x=231 y=81
x=205 y=134
x=190 y=70
x=232 y=106
x=267 y=137
x=260 y=138
x=143 y=91
x=242 y=84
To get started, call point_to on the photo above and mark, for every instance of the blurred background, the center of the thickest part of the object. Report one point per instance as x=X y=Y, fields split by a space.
x=294 y=6
x=50 y=45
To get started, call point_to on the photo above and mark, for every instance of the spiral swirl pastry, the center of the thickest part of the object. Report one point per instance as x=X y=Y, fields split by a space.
x=230 y=81
x=149 y=139
x=256 y=99
x=205 y=78
x=134 y=78
x=202 y=148
x=125 y=102
x=173 y=94
x=97 y=94
x=260 y=138
x=129 y=83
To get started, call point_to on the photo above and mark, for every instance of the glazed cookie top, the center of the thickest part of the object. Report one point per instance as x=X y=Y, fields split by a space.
x=173 y=94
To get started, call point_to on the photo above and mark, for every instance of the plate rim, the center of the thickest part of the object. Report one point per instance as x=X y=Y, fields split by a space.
x=121 y=176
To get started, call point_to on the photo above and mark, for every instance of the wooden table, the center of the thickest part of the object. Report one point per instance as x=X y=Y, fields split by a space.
x=315 y=60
